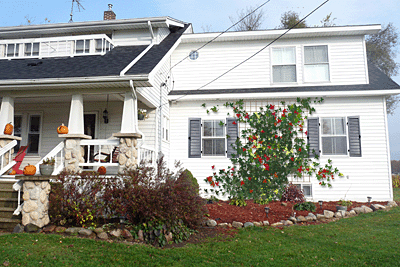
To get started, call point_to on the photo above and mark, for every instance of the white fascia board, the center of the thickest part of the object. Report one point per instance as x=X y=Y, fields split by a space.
x=74 y=80
x=294 y=33
x=223 y=96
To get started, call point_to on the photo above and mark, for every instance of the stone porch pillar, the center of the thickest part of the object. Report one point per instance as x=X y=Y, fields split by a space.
x=73 y=151
x=128 y=153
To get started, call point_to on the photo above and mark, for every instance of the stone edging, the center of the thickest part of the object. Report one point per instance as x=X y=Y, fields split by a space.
x=309 y=218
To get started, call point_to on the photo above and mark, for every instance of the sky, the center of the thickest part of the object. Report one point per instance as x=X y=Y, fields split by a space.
x=215 y=16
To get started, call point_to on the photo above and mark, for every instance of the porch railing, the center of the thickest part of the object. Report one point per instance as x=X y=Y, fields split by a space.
x=58 y=154
x=147 y=154
x=99 y=152
x=6 y=150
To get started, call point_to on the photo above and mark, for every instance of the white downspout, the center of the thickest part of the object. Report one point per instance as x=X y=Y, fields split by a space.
x=141 y=141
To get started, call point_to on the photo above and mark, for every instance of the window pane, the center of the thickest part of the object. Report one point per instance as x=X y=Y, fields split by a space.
x=35 y=51
x=79 y=47
x=219 y=145
x=214 y=147
x=208 y=128
x=316 y=54
x=207 y=147
x=284 y=74
x=28 y=48
x=334 y=145
x=316 y=73
x=99 y=45
x=284 y=56
x=307 y=190
x=218 y=129
x=34 y=124
x=33 y=141
x=327 y=126
x=339 y=126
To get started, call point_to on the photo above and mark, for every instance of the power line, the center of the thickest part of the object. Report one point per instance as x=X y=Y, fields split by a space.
x=212 y=40
x=259 y=51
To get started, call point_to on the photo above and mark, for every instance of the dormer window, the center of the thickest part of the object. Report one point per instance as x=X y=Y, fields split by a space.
x=12 y=50
x=31 y=49
x=96 y=44
x=82 y=47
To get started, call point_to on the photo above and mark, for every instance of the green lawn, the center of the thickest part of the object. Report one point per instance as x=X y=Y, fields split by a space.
x=368 y=239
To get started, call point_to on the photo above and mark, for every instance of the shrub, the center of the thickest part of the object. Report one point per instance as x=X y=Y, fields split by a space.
x=346 y=203
x=305 y=206
x=395 y=180
x=74 y=199
x=292 y=193
x=188 y=176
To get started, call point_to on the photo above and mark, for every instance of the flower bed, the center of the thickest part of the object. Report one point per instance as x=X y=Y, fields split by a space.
x=222 y=212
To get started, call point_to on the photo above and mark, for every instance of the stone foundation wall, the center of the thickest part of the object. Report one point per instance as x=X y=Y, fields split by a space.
x=36 y=203
x=128 y=154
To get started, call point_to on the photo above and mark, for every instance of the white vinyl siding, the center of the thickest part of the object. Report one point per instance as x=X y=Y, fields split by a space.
x=346 y=63
x=363 y=176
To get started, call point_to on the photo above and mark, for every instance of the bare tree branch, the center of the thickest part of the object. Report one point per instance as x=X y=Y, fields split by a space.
x=251 y=23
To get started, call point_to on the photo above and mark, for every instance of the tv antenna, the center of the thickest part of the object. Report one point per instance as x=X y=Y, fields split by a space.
x=79 y=5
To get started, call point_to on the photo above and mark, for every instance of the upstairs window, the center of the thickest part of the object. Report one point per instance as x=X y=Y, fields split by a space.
x=316 y=63
x=82 y=47
x=12 y=50
x=31 y=49
x=284 y=65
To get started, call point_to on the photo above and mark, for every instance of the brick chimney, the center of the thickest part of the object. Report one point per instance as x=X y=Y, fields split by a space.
x=109 y=14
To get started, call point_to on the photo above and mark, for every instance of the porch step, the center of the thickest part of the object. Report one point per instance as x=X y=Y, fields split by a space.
x=8 y=203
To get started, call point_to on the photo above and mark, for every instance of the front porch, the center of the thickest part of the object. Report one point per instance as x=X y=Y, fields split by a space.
x=104 y=130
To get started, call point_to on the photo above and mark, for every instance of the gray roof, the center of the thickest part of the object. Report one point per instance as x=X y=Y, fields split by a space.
x=110 y=64
x=377 y=81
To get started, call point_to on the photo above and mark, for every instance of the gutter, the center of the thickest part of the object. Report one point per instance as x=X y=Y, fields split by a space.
x=224 y=96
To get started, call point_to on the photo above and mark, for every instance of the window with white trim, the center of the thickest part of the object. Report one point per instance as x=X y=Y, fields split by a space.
x=12 y=50
x=316 y=63
x=305 y=188
x=165 y=129
x=334 y=137
x=82 y=46
x=284 y=64
x=31 y=49
x=213 y=138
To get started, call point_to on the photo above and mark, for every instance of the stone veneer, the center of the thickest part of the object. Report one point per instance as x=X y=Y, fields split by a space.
x=73 y=151
x=35 y=209
x=128 y=153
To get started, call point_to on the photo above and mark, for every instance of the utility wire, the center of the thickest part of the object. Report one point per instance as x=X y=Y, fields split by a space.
x=259 y=51
x=212 y=40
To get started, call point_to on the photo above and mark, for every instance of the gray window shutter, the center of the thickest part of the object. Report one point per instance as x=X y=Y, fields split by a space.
x=232 y=132
x=313 y=137
x=354 y=136
x=194 y=138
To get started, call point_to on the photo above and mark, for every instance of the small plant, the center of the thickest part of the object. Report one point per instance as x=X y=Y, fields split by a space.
x=346 y=203
x=305 y=206
x=142 y=111
x=395 y=180
x=49 y=161
x=292 y=193
x=238 y=202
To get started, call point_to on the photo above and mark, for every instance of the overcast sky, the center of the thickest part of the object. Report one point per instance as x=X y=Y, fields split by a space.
x=214 y=15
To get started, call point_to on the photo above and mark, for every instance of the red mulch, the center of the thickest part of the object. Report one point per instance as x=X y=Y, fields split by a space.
x=222 y=212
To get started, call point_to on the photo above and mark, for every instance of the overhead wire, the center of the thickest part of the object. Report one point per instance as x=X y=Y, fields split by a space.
x=250 y=57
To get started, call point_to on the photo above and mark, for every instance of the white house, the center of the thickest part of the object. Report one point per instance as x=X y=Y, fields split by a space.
x=95 y=76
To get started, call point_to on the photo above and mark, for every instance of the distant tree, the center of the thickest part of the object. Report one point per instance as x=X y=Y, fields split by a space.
x=395 y=166
x=252 y=22
x=328 y=21
x=289 y=19
x=206 y=28
x=381 y=51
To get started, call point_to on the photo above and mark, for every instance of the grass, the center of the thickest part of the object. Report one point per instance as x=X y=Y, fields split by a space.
x=396 y=194
x=368 y=239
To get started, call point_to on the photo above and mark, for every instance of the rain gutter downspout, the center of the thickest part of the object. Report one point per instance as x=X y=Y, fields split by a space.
x=130 y=65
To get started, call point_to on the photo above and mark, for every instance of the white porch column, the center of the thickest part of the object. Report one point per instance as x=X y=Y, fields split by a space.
x=6 y=112
x=129 y=114
x=75 y=123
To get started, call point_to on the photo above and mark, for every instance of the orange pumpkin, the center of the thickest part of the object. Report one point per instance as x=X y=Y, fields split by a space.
x=102 y=170
x=8 y=129
x=29 y=170
x=12 y=172
x=62 y=129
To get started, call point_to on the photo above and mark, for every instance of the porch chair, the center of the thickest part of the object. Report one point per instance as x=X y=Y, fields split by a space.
x=114 y=154
x=19 y=158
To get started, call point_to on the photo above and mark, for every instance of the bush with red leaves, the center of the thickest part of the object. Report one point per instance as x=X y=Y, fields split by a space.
x=292 y=193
